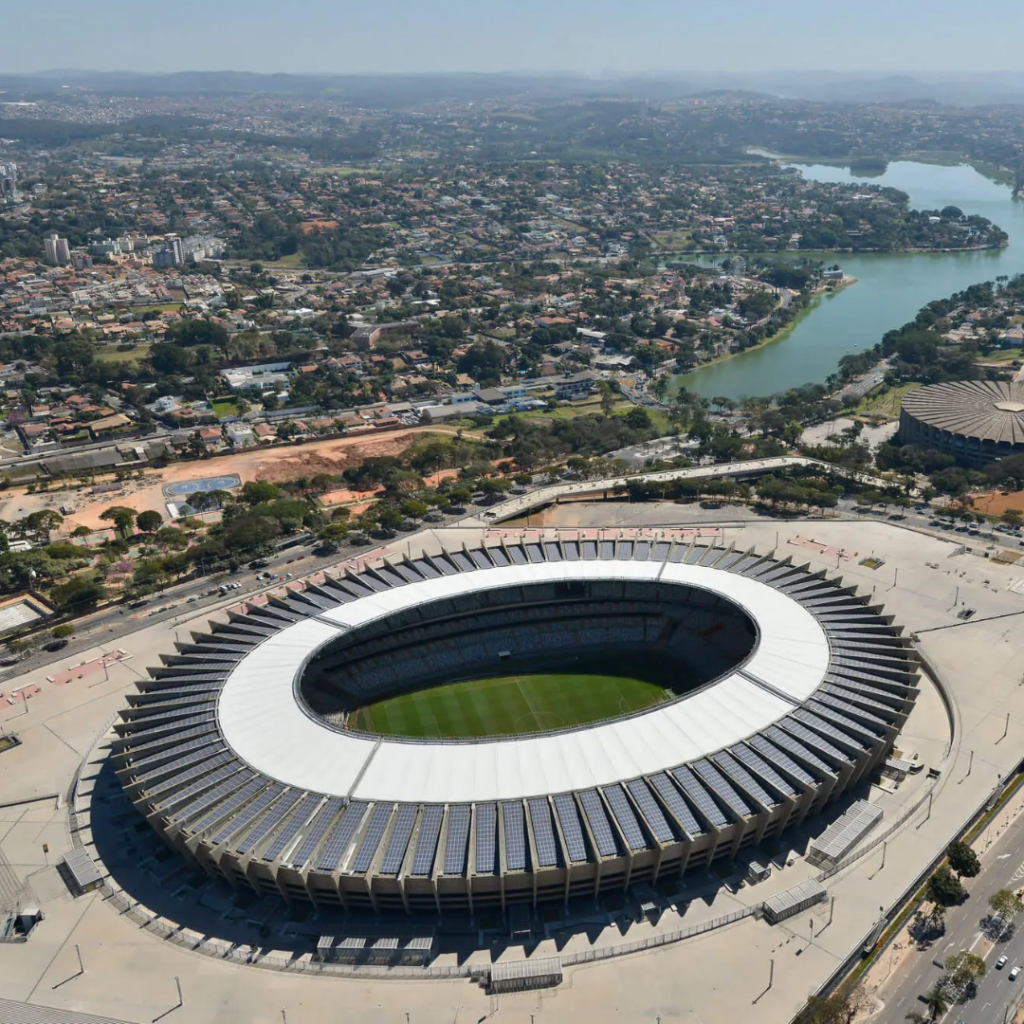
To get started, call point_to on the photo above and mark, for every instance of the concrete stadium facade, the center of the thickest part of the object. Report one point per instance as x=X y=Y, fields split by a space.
x=975 y=421
x=235 y=751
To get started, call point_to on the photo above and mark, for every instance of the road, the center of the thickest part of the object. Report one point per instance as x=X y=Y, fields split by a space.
x=185 y=599
x=1002 y=868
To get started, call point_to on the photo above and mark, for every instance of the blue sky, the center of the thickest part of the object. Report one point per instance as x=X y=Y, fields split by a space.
x=491 y=35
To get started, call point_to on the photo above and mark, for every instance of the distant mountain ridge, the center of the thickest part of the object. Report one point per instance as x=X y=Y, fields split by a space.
x=400 y=90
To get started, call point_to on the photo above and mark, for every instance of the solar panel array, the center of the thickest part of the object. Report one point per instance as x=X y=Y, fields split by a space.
x=426 y=841
x=456 y=844
x=543 y=832
x=398 y=841
x=625 y=817
x=290 y=829
x=371 y=838
x=317 y=827
x=486 y=839
x=179 y=765
x=600 y=826
x=340 y=837
x=651 y=811
x=515 y=835
x=572 y=828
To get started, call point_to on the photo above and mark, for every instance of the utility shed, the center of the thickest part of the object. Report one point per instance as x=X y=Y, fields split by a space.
x=79 y=871
x=792 y=900
x=844 y=834
x=519 y=975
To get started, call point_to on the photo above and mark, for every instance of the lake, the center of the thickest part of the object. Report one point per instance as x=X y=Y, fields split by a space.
x=890 y=288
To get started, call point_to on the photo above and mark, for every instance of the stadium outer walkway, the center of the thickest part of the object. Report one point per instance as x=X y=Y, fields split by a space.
x=524 y=503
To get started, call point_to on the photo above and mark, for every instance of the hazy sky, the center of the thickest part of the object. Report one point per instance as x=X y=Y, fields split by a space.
x=491 y=35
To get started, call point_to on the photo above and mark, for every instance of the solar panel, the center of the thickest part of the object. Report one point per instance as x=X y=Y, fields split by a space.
x=847 y=714
x=291 y=827
x=625 y=549
x=486 y=839
x=184 y=769
x=498 y=556
x=660 y=550
x=699 y=796
x=820 y=725
x=777 y=756
x=607 y=549
x=552 y=551
x=398 y=841
x=426 y=841
x=643 y=550
x=674 y=801
x=543 y=832
x=341 y=836
x=811 y=739
x=183 y=796
x=572 y=827
x=379 y=819
x=599 y=823
x=517 y=554
x=425 y=569
x=461 y=560
x=515 y=835
x=480 y=559
x=456 y=843
x=740 y=775
x=759 y=766
x=228 y=806
x=251 y=839
x=317 y=827
x=722 y=788
x=651 y=811
x=624 y=815
x=181 y=751
x=534 y=553
x=571 y=550
x=589 y=550
x=249 y=814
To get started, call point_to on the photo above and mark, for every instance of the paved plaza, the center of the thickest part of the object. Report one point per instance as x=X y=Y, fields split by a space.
x=924 y=581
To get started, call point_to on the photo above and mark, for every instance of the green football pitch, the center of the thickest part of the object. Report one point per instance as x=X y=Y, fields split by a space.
x=506 y=705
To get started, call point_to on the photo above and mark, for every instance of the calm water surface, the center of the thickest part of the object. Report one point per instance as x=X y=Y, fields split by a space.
x=890 y=288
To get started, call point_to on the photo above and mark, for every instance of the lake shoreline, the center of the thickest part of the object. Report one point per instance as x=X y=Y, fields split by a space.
x=893 y=286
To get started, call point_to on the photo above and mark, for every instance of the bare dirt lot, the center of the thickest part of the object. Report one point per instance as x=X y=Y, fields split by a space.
x=272 y=464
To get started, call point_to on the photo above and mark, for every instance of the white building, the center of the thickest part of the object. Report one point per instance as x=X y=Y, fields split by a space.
x=58 y=252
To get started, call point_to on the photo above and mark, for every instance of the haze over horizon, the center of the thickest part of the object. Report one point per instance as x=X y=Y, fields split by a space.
x=654 y=37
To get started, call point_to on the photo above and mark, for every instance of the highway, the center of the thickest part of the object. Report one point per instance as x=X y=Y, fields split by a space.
x=1002 y=868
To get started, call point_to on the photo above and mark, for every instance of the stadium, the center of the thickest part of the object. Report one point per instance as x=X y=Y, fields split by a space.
x=975 y=421
x=514 y=723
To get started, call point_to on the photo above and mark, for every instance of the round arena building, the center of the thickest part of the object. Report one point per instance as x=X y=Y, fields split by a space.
x=976 y=421
x=518 y=722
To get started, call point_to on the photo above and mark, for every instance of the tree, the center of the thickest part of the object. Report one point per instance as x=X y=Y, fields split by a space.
x=256 y=492
x=607 y=398
x=937 y=1002
x=843 y=1006
x=1005 y=903
x=60 y=632
x=945 y=888
x=122 y=518
x=963 y=860
x=149 y=521
x=964 y=967
x=1012 y=517
x=937 y=918
x=77 y=593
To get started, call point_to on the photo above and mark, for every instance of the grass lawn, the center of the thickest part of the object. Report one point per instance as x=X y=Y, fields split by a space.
x=224 y=407
x=673 y=241
x=111 y=354
x=884 y=403
x=508 y=704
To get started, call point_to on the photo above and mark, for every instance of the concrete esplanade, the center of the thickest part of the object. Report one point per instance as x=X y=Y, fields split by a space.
x=236 y=752
x=976 y=421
